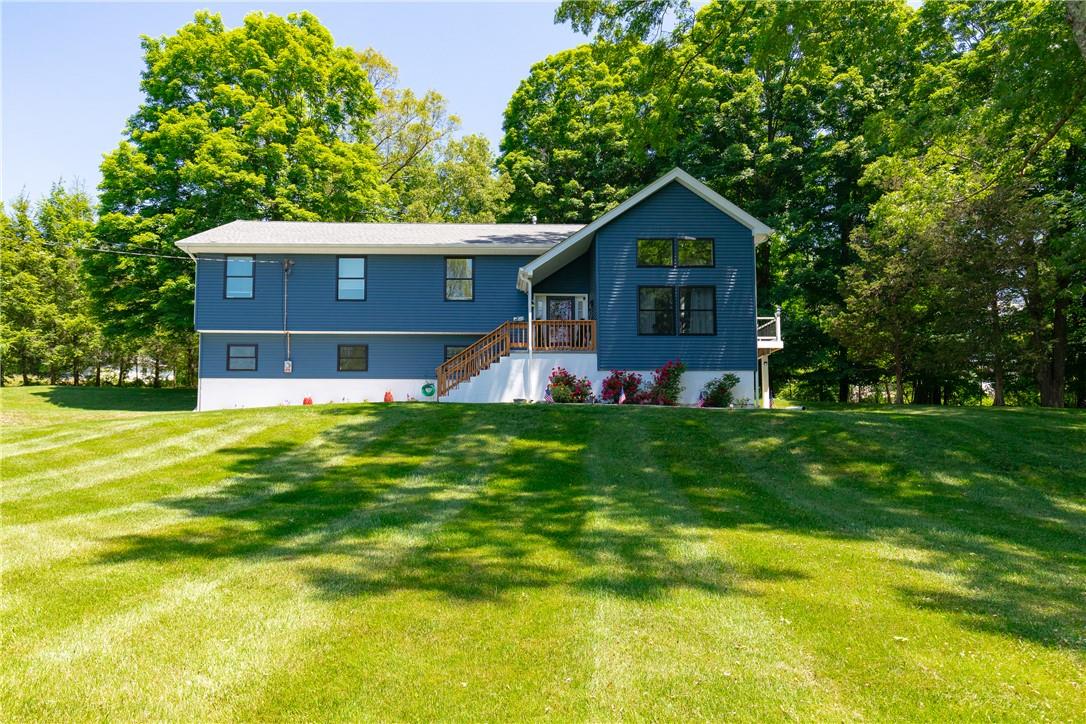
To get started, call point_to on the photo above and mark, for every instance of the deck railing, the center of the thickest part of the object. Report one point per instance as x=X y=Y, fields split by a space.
x=769 y=328
x=575 y=335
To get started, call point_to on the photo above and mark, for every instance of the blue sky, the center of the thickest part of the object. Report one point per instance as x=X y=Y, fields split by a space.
x=71 y=70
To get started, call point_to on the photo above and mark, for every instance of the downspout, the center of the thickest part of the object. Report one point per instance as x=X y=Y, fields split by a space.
x=531 y=334
x=288 y=365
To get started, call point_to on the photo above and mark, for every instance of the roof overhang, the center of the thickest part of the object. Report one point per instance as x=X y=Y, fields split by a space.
x=192 y=248
x=578 y=242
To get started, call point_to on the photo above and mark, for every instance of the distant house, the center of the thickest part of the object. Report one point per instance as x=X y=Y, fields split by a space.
x=348 y=312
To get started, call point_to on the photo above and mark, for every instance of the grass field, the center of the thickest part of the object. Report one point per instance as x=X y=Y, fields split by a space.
x=497 y=562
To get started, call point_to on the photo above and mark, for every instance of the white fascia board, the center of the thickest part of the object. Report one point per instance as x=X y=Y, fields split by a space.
x=759 y=231
x=192 y=248
x=336 y=332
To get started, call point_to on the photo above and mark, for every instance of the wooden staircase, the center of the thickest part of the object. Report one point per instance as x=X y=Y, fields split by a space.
x=548 y=335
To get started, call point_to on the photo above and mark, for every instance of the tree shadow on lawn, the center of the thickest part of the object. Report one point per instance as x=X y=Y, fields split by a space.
x=478 y=503
x=131 y=399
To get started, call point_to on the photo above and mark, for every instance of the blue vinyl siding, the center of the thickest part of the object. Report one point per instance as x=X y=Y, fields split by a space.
x=394 y=356
x=675 y=211
x=574 y=278
x=403 y=293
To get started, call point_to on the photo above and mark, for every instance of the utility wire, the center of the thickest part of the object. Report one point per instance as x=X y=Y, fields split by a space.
x=137 y=253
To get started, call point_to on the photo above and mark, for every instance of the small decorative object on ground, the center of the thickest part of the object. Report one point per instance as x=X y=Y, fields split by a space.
x=388 y=395
x=620 y=387
x=307 y=401
x=566 y=387
x=719 y=392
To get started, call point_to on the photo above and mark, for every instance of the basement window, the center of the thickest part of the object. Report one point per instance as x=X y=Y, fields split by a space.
x=241 y=357
x=353 y=358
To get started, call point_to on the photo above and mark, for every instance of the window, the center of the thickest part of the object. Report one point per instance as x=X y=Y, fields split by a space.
x=694 y=252
x=239 y=277
x=697 y=310
x=654 y=252
x=683 y=251
x=451 y=350
x=351 y=279
x=241 y=357
x=656 y=310
x=459 y=278
x=353 y=358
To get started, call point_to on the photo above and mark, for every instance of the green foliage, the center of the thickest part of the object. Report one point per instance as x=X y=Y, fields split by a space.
x=719 y=392
x=564 y=386
x=45 y=323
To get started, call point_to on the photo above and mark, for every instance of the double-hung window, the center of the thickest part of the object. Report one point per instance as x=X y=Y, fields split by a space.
x=656 y=310
x=459 y=278
x=239 y=277
x=353 y=358
x=697 y=310
x=351 y=279
x=241 y=357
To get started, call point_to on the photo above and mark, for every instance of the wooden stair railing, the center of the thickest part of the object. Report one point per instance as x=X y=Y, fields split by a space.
x=575 y=335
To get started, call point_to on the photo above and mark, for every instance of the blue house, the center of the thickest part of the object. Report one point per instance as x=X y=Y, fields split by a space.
x=480 y=312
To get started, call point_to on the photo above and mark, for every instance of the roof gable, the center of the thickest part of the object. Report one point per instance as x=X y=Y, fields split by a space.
x=578 y=242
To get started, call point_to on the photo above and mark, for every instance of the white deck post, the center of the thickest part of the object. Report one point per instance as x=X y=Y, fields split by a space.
x=531 y=333
x=766 y=402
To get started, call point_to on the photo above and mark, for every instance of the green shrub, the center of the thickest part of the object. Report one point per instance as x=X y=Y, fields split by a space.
x=719 y=392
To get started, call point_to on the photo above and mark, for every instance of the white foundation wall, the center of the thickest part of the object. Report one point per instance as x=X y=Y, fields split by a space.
x=512 y=378
x=221 y=393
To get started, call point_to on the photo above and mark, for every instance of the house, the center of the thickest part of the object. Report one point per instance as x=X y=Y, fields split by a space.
x=348 y=312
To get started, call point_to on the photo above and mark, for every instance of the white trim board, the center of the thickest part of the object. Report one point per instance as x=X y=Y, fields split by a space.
x=577 y=243
x=335 y=332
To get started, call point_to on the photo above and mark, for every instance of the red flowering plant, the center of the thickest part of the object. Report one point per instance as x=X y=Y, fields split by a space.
x=666 y=384
x=619 y=382
x=567 y=387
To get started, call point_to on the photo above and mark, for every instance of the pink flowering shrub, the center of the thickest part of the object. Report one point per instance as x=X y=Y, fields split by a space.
x=666 y=384
x=619 y=381
x=567 y=387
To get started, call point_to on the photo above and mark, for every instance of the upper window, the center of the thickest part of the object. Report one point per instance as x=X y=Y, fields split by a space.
x=459 y=278
x=656 y=310
x=241 y=357
x=654 y=252
x=694 y=252
x=697 y=310
x=683 y=251
x=239 y=277
x=353 y=358
x=351 y=278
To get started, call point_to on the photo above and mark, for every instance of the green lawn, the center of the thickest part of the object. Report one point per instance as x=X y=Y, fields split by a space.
x=498 y=562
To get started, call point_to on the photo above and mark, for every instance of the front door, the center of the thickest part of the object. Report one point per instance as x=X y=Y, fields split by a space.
x=562 y=308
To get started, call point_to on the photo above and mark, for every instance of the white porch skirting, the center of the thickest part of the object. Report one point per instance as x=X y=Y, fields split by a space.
x=512 y=378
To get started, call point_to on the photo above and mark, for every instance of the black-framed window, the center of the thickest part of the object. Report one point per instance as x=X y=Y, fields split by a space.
x=351 y=279
x=697 y=310
x=459 y=278
x=656 y=310
x=693 y=252
x=353 y=358
x=655 y=252
x=451 y=350
x=239 y=277
x=241 y=357
x=675 y=252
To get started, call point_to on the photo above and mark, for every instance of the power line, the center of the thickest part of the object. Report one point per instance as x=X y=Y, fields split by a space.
x=124 y=252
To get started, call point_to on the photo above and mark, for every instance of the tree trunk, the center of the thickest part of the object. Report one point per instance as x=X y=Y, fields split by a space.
x=75 y=376
x=887 y=384
x=997 y=383
x=997 y=355
x=158 y=369
x=899 y=381
x=26 y=377
x=98 y=374
x=1052 y=367
x=1076 y=16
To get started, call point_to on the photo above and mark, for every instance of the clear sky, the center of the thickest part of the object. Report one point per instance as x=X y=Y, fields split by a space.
x=71 y=70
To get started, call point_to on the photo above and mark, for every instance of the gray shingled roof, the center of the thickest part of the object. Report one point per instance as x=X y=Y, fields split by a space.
x=327 y=234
